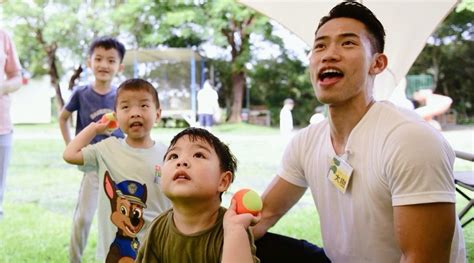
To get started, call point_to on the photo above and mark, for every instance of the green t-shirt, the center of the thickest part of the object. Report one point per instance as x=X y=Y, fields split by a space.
x=164 y=243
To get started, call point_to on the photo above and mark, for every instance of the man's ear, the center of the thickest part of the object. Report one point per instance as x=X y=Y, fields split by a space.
x=379 y=63
x=225 y=180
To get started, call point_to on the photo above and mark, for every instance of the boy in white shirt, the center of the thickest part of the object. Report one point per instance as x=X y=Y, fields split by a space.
x=130 y=166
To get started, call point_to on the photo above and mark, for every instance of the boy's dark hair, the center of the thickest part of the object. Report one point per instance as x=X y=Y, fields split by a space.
x=107 y=43
x=138 y=85
x=362 y=14
x=227 y=160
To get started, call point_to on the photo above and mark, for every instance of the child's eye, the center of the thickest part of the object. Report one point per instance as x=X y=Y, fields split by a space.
x=199 y=155
x=111 y=61
x=145 y=106
x=172 y=156
x=124 y=107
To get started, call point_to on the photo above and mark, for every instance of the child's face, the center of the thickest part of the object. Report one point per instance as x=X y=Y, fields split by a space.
x=191 y=171
x=136 y=114
x=105 y=64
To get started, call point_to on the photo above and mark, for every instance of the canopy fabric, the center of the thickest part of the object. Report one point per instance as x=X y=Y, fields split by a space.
x=153 y=55
x=408 y=24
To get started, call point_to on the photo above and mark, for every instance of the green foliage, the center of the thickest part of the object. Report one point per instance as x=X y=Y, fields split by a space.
x=272 y=81
x=66 y=28
x=43 y=26
x=450 y=59
x=229 y=26
x=466 y=4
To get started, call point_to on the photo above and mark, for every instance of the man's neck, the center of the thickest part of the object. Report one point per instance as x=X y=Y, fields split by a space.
x=343 y=119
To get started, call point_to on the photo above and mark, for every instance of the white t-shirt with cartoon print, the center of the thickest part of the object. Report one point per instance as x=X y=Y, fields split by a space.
x=134 y=169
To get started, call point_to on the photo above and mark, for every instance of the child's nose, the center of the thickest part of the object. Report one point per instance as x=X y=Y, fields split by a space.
x=183 y=163
x=135 y=112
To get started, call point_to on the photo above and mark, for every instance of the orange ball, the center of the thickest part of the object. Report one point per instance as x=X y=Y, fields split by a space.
x=247 y=201
x=113 y=124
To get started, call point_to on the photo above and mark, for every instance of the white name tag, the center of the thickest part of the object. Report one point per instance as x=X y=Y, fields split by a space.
x=340 y=173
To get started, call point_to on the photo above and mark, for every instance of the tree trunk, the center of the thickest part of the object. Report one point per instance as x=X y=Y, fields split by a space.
x=54 y=75
x=74 y=77
x=238 y=81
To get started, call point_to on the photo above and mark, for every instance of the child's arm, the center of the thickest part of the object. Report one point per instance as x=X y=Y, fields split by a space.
x=236 y=239
x=72 y=153
x=63 y=125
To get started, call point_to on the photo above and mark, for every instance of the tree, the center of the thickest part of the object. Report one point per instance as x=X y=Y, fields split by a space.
x=49 y=35
x=225 y=24
x=235 y=24
x=449 y=58
x=272 y=81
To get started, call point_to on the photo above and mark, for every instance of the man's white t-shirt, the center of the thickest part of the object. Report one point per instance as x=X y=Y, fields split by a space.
x=125 y=163
x=397 y=159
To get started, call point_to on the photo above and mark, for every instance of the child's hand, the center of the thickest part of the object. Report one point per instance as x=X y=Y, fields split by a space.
x=233 y=221
x=102 y=127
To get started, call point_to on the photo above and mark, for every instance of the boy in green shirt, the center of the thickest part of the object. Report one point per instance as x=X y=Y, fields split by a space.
x=197 y=169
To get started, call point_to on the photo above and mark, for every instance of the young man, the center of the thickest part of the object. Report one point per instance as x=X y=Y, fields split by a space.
x=197 y=169
x=91 y=101
x=129 y=195
x=380 y=176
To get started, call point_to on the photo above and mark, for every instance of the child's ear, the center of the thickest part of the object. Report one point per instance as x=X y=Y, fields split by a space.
x=121 y=67
x=88 y=62
x=158 y=115
x=225 y=181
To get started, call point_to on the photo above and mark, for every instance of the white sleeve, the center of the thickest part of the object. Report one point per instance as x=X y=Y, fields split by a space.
x=419 y=166
x=291 y=168
x=89 y=154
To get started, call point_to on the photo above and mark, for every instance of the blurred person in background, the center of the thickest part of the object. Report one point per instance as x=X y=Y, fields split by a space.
x=10 y=81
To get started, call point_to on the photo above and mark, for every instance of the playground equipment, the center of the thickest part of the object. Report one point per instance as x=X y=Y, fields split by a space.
x=175 y=72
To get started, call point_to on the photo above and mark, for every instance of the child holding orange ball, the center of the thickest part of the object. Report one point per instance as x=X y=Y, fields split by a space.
x=198 y=168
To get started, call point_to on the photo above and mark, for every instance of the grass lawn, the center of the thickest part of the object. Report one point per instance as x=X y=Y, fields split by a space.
x=42 y=189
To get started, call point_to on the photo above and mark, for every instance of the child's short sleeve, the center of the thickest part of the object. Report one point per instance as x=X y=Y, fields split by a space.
x=89 y=153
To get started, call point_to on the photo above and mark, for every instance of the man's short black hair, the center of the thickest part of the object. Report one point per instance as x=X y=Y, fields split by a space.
x=359 y=12
x=107 y=43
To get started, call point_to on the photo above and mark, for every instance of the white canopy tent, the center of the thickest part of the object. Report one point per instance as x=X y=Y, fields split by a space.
x=166 y=54
x=408 y=24
x=177 y=103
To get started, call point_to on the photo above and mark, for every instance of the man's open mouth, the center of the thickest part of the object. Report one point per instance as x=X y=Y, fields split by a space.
x=329 y=73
